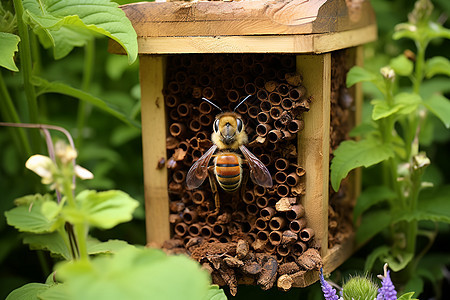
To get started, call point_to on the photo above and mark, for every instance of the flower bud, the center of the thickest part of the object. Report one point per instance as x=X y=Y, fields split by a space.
x=388 y=73
x=65 y=152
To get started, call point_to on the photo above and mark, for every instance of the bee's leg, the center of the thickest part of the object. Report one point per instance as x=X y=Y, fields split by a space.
x=213 y=185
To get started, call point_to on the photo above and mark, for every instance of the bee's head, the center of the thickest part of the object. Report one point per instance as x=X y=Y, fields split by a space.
x=228 y=126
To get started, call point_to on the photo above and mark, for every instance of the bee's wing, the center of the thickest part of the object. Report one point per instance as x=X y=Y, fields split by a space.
x=199 y=170
x=258 y=171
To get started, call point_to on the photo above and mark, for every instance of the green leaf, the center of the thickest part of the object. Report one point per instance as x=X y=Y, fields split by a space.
x=370 y=197
x=8 y=47
x=52 y=242
x=404 y=103
x=65 y=24
x=372 y=223
x=29 y=291
x=135 y=274
x=358 y=74
x=215 y=293
x=351 y=155
x=407 y=296
x=58 y=291
x=437 y=65
x=374 y=255
x=440 y=107
x=45 y=86
x=399 y=261
x=102 y=209
x=31 y=219
x=94 y=246
x=402 y=65
x=364 y=129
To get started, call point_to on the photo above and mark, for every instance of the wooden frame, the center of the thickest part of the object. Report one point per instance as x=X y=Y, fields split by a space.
x=309 y=29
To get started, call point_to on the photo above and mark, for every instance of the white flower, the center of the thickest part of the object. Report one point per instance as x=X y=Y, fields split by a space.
x=83 y=173
x=43 y=166
x=65 y=152
x=388 y=73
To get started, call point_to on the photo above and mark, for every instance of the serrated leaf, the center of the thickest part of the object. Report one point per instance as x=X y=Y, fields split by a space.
x=215 y=293
x=65 y=24
x=8 y=47
x=373 y=223
x=402 y=65
x=400 y=261
x=95 y=246
x=30 y=219
x=102 y=209
x=407 y=296
x=353 y=154
x=358 y=74
x=136 y=274
x=58 y=291
x=52 y=242
x=404 y=103
x=370 y=197
x=437 y=65
x=440 y=107
x=374 y=255
x=29 y=291
x=44 y=86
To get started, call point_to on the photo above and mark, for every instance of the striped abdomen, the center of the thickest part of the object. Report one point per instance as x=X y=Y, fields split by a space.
x=228 y=171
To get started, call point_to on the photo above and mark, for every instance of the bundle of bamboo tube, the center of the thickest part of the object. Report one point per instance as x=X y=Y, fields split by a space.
x=268 y=223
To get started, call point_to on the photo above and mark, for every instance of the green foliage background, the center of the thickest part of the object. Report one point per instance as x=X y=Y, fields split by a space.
x=112 y=149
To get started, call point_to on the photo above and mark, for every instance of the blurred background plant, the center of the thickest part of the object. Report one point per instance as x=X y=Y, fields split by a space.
x=111 y=147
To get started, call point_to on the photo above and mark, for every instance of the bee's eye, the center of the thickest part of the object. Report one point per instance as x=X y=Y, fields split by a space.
x=216 y=125
x=239 y=125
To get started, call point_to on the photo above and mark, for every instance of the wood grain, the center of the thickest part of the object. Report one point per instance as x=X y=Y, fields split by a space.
x=314 y=141
x=152 y=70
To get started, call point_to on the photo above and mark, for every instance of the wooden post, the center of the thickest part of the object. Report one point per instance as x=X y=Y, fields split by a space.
x=314 y=143
x=152 y=71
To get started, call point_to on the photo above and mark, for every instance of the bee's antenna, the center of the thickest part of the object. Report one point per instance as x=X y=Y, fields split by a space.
x=241 y=102
x=213 y=104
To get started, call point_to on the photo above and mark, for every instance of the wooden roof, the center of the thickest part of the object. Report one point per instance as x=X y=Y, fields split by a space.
x=289 y=26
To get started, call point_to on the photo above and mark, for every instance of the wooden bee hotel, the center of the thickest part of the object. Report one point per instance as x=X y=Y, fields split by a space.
x=243 y=103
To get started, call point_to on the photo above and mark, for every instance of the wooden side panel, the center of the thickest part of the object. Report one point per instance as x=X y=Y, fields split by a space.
x=154 y=148
x=313 y=143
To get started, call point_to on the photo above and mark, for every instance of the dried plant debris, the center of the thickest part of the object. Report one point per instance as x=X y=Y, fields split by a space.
x=253 y=234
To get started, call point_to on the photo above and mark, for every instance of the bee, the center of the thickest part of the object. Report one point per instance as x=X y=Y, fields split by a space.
x=228 y=137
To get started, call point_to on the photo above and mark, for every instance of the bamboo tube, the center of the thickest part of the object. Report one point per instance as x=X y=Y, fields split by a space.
x=283 y=250
x=298 y=248
x=192 y=80
x=224 y=239
x=271 y=147
x=227 y=85
x=265 y=106
x=201 y=135
x=275 y=237
x=173 y=87
x=196 y=154
x=238 y=68
x=281 y=164
x=186 y=61
x=260 y=224
x=184 y=146
x=295 y=126
x=270 y=248
x=303 y=103
x=261 y=202
x=270 y=86
x=280 y=177
x=181 y=77
x=272 y=201
x=283 y=89
x=297 y=211
x=171 y=100
x=262 y=95
x=206 y=231
x=275 y=98
x=262 y=235
x=249 y=197
x=259 y=190
x=171 y=143
x=251 y=237
x=277 y=223
x=267 y=213
x=186 y=197
x=173 y=115
x=253 y=111
x=174 y=218
x=177 y=129
x=211 y=220
x=206 y=120
x=258 y=151
x=197 y=92
x=195 y=125
x=287 y=104
x=297 y=225
x=250 y=88
x=233 y=95
x=194 y=143
x=260 y=81
x=239 y=81
x=218 y=229
x=292 y=179
x=194 y=229
x=306 y=234
x=263 y=129
x=198 y=196
x=204 y=80
x=265 y=159
x=189 y=216
x=278 y=124
x=289 y=237
x=287 y=135
x=275 y=112
x=242 y=109
x=179 y=176
x=274 y=135
x=263 y=117
x=180 y=229
x=208 y=92
x=238 y=216
x=252 y=209
x=282 y=190
x=175 y=188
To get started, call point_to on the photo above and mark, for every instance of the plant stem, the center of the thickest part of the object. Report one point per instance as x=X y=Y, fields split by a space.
x=11 y=115
x=26 y=69
x=88 y=71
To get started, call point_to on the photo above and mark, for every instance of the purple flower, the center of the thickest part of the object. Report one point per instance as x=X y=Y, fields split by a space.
x=328 y=291
x=387 y=290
